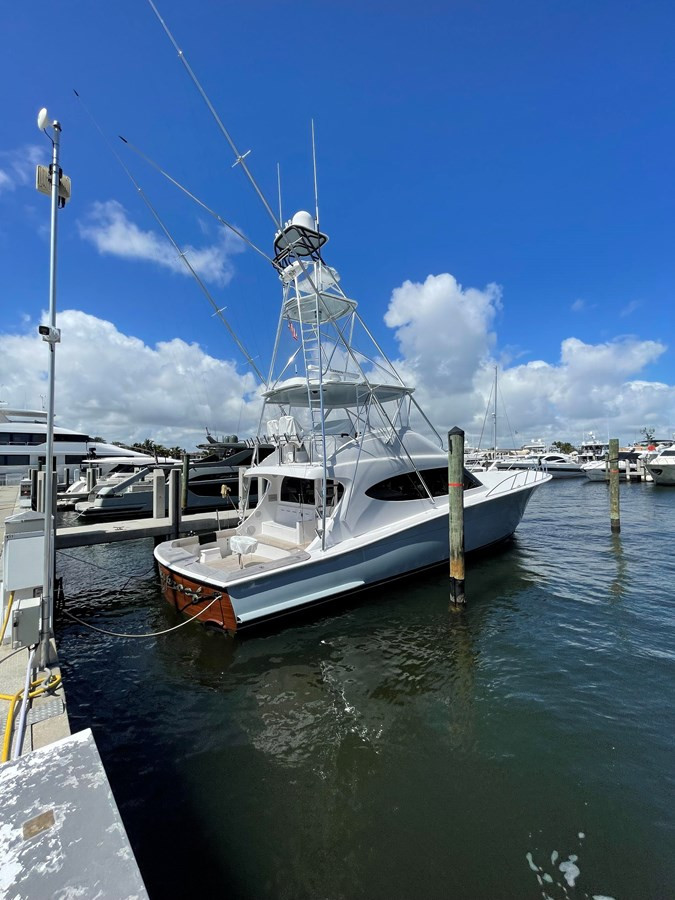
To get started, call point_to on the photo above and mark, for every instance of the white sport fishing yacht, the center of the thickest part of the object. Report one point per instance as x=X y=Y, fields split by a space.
x=353 y=496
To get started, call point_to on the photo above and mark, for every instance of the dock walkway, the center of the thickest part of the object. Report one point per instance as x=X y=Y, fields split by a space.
x=62 y=834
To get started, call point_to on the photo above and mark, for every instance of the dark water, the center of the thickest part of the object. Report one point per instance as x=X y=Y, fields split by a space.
x=393 y=749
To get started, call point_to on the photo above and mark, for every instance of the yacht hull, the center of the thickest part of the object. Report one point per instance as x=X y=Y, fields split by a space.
x=302 y=583
x=662 y=474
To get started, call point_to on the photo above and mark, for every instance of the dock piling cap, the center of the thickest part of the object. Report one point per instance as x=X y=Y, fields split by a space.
x=456 y=430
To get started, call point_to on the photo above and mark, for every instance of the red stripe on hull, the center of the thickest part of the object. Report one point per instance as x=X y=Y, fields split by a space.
x=198 y=600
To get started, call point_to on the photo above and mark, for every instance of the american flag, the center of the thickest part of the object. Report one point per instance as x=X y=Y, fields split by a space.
x=294 y=333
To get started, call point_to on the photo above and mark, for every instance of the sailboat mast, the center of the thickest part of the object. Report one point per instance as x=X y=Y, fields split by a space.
x=494 y=421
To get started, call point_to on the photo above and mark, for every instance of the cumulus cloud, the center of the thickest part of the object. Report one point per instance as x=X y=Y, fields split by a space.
x=108 y=227
x=17 y=167
x=114 y=385
x=446 y=337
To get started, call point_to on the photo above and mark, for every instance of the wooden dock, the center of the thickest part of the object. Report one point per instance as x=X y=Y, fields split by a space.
x=132 y=529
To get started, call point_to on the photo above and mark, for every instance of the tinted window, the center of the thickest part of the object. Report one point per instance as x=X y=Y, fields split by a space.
x=297 y=490
x=409 y=486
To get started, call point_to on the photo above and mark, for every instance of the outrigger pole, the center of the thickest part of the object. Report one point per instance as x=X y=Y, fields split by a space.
x=217 y=310
x=240 y=159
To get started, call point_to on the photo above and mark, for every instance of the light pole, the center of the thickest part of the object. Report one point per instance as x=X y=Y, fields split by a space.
x=51 y=334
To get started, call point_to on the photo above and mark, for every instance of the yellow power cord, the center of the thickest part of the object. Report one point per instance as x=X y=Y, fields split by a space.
x=8 y=611
x=53 y=682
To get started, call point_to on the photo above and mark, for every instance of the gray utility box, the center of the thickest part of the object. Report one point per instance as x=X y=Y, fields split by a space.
x=23 y=574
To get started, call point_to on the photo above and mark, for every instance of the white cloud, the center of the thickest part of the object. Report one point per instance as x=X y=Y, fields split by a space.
x=578 y=305
x=17 y=167
x=108 y=227
x=114 y=385
x=630 y=308
x=446 y=338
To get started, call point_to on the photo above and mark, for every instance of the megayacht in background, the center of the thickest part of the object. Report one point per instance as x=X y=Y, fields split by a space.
x=23 y=445
x=353 y=495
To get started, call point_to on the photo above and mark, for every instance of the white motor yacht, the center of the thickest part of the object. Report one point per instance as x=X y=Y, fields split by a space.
x=354 y=495
x=558 y=465
x=598 y=470
x=23 y=445
x=129 y=495
x=662 y=466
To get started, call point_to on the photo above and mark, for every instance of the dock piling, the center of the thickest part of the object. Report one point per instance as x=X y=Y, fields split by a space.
x=175 y=495
x=613 y=458
x=40 y=505
x=184 y=482
x=456 y=513
x=158 y=495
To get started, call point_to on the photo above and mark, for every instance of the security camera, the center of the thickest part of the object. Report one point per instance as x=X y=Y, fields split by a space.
x=49 y=334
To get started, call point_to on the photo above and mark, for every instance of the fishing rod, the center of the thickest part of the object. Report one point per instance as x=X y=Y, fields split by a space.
x=217 y=310
x=240 y=159
x=196 y=199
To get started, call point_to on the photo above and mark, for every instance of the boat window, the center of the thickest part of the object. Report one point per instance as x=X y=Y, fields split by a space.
x=21 y=438
x=15 y=460
x=73 y=460
x=409 y=486
x=297 y=490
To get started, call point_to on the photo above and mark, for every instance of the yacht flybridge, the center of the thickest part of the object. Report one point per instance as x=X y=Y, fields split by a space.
x=352 y=495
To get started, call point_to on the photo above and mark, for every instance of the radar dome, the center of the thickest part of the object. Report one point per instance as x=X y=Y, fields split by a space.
x=304 y=220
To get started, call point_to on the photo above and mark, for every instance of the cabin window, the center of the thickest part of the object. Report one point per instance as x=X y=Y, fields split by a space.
x=73 y=460
x=409 y=486
x=297 y=490
x=18 y=460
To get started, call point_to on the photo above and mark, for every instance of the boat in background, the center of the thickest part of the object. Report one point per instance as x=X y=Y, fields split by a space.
x=354 y=495
x=558 y=465
x=23 y=446
x=662 y=466
x=598 y=469
x=213 y=483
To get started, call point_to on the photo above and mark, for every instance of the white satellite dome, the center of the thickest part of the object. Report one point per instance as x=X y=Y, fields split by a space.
x=304 y=220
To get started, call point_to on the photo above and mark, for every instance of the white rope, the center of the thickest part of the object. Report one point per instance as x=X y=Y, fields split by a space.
x=150 y=634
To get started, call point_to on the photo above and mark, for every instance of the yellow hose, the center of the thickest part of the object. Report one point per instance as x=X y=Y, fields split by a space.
x=53 y=682
x=8 y=611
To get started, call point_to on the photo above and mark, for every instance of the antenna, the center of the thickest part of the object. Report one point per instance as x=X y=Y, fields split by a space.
x=316 y=190
x=281 y=218
x=239 y=157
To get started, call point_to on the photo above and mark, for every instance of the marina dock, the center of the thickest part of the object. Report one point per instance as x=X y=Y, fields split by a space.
x=62 y=833
x=133 y=529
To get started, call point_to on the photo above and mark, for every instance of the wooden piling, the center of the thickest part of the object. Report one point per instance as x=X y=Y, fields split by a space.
x=91 y=479
x=184 y=482
x=456 y=513
x=613 y=458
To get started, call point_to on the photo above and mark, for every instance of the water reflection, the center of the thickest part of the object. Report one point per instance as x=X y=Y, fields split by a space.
x=619 y=582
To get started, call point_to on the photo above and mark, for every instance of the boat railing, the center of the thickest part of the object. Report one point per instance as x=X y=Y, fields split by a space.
x=524 y=476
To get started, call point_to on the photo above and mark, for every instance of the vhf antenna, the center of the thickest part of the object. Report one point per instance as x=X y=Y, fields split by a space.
x=316 y=190
x=240 y=159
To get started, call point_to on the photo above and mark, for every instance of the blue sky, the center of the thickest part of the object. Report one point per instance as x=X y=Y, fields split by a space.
x=527 y=146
